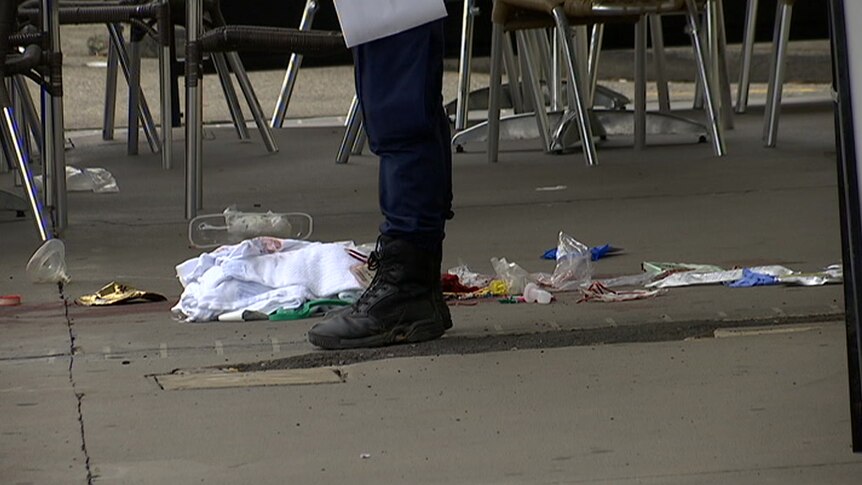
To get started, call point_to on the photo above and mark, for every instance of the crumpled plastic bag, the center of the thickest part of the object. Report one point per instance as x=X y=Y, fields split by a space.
x=96 y=180
x=515 y=277
x=468 y=277
x=574 y=264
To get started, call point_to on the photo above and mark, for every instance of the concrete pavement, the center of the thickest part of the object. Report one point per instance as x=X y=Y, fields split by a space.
x=80 y=404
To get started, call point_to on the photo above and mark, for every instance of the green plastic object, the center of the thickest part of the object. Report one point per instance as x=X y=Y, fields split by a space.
x=309 y=309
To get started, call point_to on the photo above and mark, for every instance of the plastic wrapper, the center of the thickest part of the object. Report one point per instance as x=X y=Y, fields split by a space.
x=233 y=226
x=641 y=279
x=690 y=278
x=468 y=277
x=574 y=264
x=116 y=293
x=515 y=277
x=96 y=180
x=601 y=293
x=830 y=275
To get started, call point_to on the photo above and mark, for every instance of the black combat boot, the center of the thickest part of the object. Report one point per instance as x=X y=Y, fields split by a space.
x=404 y=302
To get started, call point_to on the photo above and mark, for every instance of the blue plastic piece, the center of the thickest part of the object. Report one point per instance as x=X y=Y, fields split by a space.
x=750 y=278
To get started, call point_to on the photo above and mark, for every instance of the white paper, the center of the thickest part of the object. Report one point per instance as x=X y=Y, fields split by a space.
x=366 y=20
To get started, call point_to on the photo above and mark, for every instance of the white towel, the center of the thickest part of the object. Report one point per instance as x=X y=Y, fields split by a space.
x=263 y=275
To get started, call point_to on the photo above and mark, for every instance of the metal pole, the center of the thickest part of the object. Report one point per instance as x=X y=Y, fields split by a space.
x=166 y=99
x=531 y=82
x=776 y=75
x=52 y=119
x=702 y=72
x=31 y=116
x=110 y=93
x=351 y=130
x=847 y=106
x=134 y=87
x=462 y=105
x=513 y=73
x=595 y=52
x=640 y=83
x=232 y=101
x=292 y=69
x=555 y=86
x=250 y=98
x=194 y=102
x=495 y=91
x=582 y=110
x=146 y=118
x=747 y=54
x=13 y=151
x=659 y=63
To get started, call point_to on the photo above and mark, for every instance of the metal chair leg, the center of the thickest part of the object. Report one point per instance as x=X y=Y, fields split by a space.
x=595 y=52
x=134 y=92
x=145 y=117
x=166 y=112
x=464 y=66
x=640 y=83
x=776 y=73
x=232 y=101
x=351 y=130
x=711 y=111
x=659 y=63
x=293 y=66
x=31 y=116
x=726 y=114
x=250 y=98
x=513 y=73
x=12 y=148
x=361 y=138
x=495 y=92
x=582 y=110
x=747 y=53
x=531 y=83
x=110 y=93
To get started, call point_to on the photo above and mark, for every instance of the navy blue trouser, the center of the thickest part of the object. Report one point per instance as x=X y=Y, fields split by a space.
x=399 y=80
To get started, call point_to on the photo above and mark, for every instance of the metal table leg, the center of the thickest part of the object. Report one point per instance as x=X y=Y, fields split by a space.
x=52 y=119
x=470 y=10
x=351 y=125
x=110 y=93
x=659 y=63
x=194 y=102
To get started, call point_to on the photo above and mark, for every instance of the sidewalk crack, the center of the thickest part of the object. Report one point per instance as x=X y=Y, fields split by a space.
x=79 y=396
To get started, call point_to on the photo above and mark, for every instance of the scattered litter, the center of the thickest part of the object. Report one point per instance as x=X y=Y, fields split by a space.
x=117 y=293
x=628 y=280
x=831 y=274
x=48 y=263
x=243 y=316
x=534 y=294
x=512 y=300
x=552 y=188
x=452 y=284
x=96 y=180
x=668 y=268
x=308 y=309
x=596 y=252
x=599 y=292
x=690 y=278
x=262 y=275
x=365 y=456
x=469 y=277
x=10 y=300
x=233 y=226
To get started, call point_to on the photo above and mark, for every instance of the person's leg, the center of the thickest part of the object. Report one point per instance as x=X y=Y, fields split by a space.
x=399 y=83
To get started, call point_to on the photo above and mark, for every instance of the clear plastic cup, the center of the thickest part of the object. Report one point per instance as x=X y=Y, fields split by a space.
x=232 y=227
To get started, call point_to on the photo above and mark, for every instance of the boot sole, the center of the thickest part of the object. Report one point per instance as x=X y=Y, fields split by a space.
x=420 y=331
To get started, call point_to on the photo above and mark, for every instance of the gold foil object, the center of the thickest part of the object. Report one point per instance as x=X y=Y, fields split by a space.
x=117 y=293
